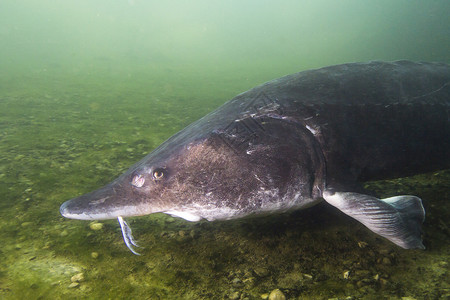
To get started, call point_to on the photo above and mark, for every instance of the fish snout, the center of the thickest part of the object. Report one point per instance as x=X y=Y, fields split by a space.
x=95 y=205
x=63 y=209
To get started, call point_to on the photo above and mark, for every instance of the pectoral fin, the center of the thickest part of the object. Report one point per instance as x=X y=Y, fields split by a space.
x=398 y=219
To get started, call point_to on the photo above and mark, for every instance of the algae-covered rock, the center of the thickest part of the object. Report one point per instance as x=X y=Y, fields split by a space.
x=77 y=277
x=277 y=295
x=96 y=226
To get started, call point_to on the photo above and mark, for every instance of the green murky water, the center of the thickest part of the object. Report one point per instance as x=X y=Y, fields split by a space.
x=87 y=88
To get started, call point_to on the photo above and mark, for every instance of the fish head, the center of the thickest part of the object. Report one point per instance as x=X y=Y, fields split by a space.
x=217 y=175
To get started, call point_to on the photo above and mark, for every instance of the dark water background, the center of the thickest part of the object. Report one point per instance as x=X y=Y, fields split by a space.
x=87 y=88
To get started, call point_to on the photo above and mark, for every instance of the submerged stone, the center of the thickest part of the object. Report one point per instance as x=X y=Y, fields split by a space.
x=277 y=295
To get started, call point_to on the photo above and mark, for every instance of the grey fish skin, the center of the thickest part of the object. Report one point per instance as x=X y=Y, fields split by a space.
x=292 y=142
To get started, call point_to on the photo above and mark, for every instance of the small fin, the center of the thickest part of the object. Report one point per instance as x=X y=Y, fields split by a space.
x=127 y=235
x=398 y=219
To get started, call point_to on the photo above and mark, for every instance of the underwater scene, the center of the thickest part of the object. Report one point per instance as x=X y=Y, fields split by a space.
x=88 y=88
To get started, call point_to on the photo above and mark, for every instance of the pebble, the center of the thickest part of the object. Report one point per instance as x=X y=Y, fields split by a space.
x=361 y=273
x=362 y=244
x=234 y=296
x=249 y=282
x=19 y=157
x=73 y=285
x=236 y=282
x=290 y=279
x=77 y=277
x=261 y=272
x=150 y=265
x=386 y=261
x=169 y=220
x=96 y=226
x=277 y=295
x=94 y=255
x=384 y=251
x=383 y=281
x=193 y=234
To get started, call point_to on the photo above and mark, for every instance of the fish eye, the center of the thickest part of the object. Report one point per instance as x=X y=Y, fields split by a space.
x=158 y=174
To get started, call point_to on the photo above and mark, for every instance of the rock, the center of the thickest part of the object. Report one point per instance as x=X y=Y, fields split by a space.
x=19 y=157
x=234 y=296
x=277 y=295
x=182 y=235
x=193 y=234
x=362 y=244
x=261 y=272
x=290 y=280
x=77 y=277
x=359 y=274
x=73 y=285
x=26 y=224
x=249 y=282
x=384 y=251
x=236 y=282
x=96 y=226
x=383 y=281
x=94 y=255
x=151 y=265
x=169 y=220
x=386 y=261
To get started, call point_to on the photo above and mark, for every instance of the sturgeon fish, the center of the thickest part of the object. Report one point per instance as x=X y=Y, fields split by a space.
x=291 y=143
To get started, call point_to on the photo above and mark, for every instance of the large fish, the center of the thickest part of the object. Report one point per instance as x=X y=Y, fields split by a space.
x=292 y=142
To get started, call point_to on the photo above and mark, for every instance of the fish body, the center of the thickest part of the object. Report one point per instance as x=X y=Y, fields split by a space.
x=291 y=143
